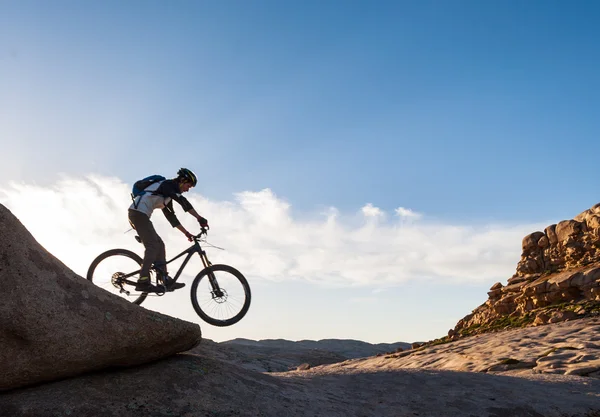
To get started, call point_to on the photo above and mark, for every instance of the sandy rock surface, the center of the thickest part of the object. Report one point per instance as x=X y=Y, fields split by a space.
x=570 y=348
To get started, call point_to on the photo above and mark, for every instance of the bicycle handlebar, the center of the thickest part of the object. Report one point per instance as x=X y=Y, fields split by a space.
x=203 y=231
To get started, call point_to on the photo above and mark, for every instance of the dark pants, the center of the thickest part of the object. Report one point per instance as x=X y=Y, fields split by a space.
x=155 y=247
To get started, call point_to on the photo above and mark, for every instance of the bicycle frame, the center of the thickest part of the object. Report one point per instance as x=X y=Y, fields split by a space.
x=190 y=252
x=195 y=248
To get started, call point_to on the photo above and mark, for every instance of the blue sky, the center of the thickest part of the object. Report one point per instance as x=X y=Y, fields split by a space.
x=476 y=116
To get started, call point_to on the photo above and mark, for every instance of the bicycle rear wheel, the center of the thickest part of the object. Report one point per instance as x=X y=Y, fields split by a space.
x=107 y=269
x=226 y=302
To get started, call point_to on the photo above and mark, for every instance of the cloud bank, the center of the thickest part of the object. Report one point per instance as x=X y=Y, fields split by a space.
x=78 y=218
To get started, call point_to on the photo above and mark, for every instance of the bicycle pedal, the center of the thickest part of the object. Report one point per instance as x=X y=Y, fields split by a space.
x=160 y=290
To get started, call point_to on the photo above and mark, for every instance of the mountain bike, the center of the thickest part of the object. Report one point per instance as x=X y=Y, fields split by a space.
x=220 y=293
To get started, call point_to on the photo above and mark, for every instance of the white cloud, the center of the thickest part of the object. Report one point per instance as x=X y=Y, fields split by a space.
x=370 y=211
x=407 y=213
x=78 y=218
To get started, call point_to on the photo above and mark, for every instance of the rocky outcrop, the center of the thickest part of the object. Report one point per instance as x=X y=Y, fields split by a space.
x=557 y=279
x=566 y=245
x=55 y=324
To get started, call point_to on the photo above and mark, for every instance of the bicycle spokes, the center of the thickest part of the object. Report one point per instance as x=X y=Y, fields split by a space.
x=222 y=296
x=114 y=275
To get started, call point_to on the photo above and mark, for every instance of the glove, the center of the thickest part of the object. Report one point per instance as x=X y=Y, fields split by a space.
x=203 y=222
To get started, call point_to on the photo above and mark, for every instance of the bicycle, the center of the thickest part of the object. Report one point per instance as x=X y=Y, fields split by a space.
x=230 y=293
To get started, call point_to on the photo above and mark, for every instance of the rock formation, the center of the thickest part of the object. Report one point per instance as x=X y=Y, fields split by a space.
x=566 y=245
x=557 y=279
x=55 y=324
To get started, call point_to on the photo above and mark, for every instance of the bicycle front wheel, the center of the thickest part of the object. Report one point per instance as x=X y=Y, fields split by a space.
x=220 y=295
x=107 y=270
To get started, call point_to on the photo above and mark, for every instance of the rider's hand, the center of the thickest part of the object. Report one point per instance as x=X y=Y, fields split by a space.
x=189 y=236
x=203 y=222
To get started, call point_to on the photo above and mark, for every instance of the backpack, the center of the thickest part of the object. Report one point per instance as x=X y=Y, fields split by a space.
x=140 y=185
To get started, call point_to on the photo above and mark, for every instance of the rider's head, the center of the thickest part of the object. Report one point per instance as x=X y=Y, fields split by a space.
x=186 y=178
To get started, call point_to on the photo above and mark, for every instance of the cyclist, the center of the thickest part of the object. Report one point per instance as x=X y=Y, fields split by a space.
x=160 y=195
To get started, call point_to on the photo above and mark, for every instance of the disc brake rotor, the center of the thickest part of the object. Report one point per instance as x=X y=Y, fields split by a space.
x=220 y=296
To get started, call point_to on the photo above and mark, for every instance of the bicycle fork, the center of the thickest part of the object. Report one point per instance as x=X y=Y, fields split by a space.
x=216 y=292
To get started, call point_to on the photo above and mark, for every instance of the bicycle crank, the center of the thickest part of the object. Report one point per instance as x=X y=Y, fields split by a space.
x=158 y=290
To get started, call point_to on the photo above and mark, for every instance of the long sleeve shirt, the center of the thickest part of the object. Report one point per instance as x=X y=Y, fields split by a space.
x=161 y=195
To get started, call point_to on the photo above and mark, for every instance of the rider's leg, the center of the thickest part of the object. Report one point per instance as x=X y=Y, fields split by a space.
x=161 y=267
x=153 y=244
x=160 y=262
x=155 y=252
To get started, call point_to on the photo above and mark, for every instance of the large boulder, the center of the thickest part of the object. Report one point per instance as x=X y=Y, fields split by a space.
x=55 y=324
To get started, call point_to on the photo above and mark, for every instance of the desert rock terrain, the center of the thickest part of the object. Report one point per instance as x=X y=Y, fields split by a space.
x=453 y=379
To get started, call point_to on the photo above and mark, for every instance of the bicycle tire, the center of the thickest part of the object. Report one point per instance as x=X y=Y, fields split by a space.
x=202 y=313
x=113 y=253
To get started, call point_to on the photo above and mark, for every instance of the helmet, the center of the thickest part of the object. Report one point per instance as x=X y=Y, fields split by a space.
x=187 y=175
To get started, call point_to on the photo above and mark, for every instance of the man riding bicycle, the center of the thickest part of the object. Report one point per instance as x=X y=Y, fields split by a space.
x=161 y=195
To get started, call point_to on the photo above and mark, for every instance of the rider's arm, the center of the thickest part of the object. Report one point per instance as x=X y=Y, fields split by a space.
x=195 y=214
x=185 y=232
x=170 y=215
